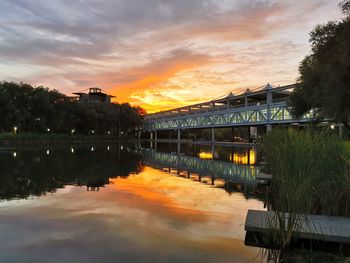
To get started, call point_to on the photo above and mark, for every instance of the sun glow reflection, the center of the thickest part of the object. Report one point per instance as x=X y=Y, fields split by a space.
x=248 y=157
x=205 y=155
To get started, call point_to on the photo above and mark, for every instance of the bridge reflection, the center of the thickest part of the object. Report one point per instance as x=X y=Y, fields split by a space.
x=235 y=174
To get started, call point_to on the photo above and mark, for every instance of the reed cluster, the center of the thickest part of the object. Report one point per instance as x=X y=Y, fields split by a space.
x=310 y=176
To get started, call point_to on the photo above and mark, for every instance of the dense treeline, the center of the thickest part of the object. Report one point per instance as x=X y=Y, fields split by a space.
x=39 y=109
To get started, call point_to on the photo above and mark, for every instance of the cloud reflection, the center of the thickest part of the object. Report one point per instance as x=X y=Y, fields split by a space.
x=141 y=217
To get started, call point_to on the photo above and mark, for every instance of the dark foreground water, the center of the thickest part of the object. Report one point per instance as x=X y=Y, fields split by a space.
x=127 y=203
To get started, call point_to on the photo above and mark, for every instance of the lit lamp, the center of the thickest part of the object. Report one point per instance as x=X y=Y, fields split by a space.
x=15 y=129
x=48 y=130
x=332 y=126
x=92 y=131
x=72 y=131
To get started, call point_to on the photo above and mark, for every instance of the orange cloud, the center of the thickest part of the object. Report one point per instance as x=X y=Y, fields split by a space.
x=129 y=85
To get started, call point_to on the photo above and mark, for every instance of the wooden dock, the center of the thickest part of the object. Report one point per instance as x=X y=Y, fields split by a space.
x=313 y=227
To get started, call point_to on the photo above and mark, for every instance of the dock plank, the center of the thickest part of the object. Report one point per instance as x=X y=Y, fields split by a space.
x=314 y=227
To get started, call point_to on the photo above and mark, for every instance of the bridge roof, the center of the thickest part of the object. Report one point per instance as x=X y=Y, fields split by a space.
x=237 y=100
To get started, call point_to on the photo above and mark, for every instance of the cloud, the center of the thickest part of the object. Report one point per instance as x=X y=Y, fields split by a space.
x=124 y=84
x=156 y=51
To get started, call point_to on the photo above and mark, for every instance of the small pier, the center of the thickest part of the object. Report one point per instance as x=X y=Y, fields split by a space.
x=312 y=227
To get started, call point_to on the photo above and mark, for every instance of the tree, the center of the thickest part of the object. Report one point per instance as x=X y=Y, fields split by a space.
x=324 y=82
x=38 y=109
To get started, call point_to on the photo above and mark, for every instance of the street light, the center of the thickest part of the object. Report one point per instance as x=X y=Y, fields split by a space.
x=332 y=126
x=92 y=131
x=15 y=129
x=72 y=131
x=48 y=129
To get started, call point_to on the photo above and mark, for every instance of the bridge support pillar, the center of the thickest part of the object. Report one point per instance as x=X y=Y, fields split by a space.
x=155 y=135
x=151 y=136
x=212 y=134
x=268 y=128
x=341 y=131
x=178 y=134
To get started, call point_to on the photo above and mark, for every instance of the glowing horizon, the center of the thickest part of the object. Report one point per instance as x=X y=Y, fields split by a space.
x=161 y=55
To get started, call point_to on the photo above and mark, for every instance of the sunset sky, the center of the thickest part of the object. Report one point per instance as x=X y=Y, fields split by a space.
x=157 y=54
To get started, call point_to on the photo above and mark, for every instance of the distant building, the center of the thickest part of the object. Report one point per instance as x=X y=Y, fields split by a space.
x=95 y=95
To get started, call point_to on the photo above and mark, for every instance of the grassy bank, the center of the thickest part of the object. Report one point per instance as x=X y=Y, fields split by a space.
x=310 y=176
x=35 y=138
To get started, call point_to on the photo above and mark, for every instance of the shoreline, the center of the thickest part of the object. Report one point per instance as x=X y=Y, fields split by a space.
x=32 y=138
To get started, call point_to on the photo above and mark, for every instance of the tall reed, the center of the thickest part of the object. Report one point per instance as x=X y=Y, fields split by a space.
x=310 y=176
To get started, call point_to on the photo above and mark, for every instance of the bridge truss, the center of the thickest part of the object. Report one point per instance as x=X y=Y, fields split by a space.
x=268 y=106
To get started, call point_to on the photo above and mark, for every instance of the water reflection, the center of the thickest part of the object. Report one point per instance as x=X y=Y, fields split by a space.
x=247 y=157
x=226 y=167
x=125 y=202
x=205 y=155
x=28 y=172
x=35 y=172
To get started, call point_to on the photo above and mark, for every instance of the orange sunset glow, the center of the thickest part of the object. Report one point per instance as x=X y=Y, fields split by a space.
x=161 y=55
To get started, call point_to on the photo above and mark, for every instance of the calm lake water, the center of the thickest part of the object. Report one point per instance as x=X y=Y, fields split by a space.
x=127 y=203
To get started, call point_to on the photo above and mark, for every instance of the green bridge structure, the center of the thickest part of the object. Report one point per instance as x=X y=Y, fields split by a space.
x=266 y=106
